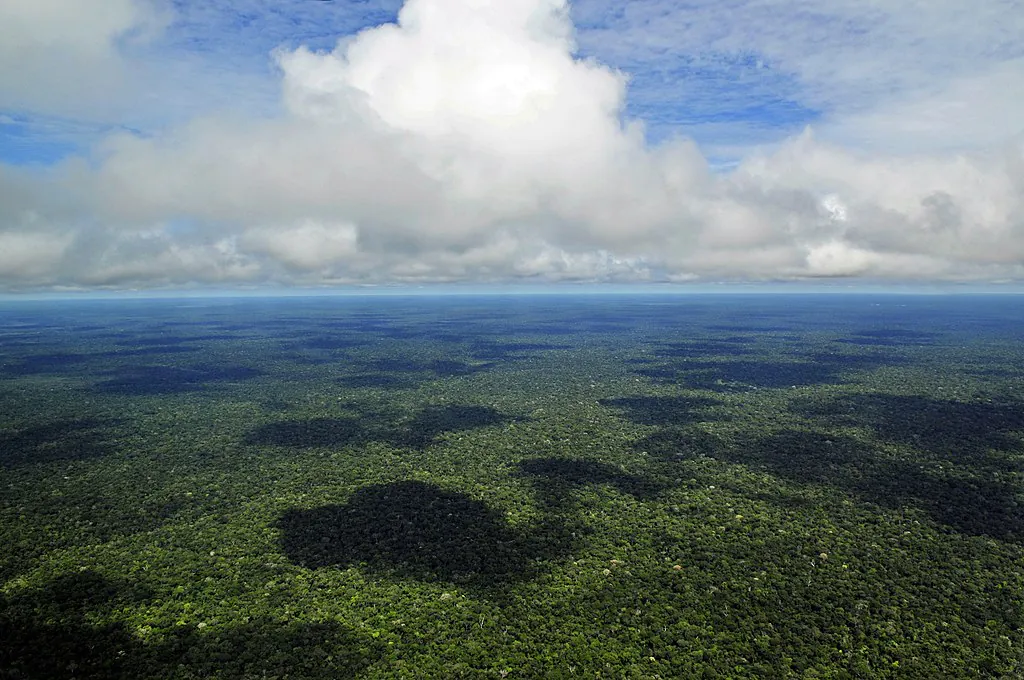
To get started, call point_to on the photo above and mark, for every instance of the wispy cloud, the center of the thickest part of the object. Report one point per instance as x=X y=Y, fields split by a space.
x=847 y=66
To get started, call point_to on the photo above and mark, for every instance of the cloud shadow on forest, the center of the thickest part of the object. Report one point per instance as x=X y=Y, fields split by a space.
x=157 y=380
x=47 y=633
x=890 y=337
x=664 y=411
x=797 y=370
x=43 y=364
x=418 y=432
x=440 y=368
x=939 y=426
x=555 y=479
x=377 y=381
x=412 y=529
x=972 y=497
x=58 y=440
x=310 y=433
x=429 y=423
x=509 y=351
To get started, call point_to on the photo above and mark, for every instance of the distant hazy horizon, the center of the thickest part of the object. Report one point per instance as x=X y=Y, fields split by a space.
x=498 y=290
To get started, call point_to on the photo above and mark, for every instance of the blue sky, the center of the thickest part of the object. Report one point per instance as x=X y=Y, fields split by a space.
x=731 y=74
x=169 y=144
x=715 y=97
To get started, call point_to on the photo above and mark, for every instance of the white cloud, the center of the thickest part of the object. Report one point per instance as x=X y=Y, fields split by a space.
x=309 y=246
x=979 y=110
x=467 y=142
x=25 y=255
x=64 y=56
x=896 y=75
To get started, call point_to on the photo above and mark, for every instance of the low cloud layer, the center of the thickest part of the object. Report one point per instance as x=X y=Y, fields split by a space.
x=469 y=142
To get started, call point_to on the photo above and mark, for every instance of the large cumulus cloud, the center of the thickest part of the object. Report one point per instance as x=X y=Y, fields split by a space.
x=64 y=57
x=467 y=141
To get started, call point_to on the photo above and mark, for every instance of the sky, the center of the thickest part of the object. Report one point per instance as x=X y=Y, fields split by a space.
x=247 y=144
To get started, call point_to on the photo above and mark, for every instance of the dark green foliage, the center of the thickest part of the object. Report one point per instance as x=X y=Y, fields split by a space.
x=376 y=380
x=48 y=363
x=412 y=529
x=330 y=342
x=675 y=411
x=134 y=341
x=408 y=373
x=729 y=346
x=942 y=426
x=718 y=371
x=616 y=487
x=968 y=499
x=890 y=337
x=428 y=424
x=259 y=649
x=556 y=478
x=511 y=350
x=155 y=380
x=417 y=432
x=58 y=440
x=719 y=376
x=152 y=350
x=445 y=368
x=439 y=368
x=309 y=433
x=46 y=634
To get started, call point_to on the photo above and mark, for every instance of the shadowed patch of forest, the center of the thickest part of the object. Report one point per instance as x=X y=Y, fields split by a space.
x=59 y=440
x=155 y=380
x=941 y=426
x=49 y=363
x=555 y=479
x=737 y=375
x=416 y=530
x=664 y=410
x=978 y=498
x=47 y=632
x=421 y=430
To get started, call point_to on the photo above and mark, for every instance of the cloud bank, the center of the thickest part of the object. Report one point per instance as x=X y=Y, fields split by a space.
x=469 y=141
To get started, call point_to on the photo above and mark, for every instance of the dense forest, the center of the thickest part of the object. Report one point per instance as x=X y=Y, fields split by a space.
x=593 y=486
